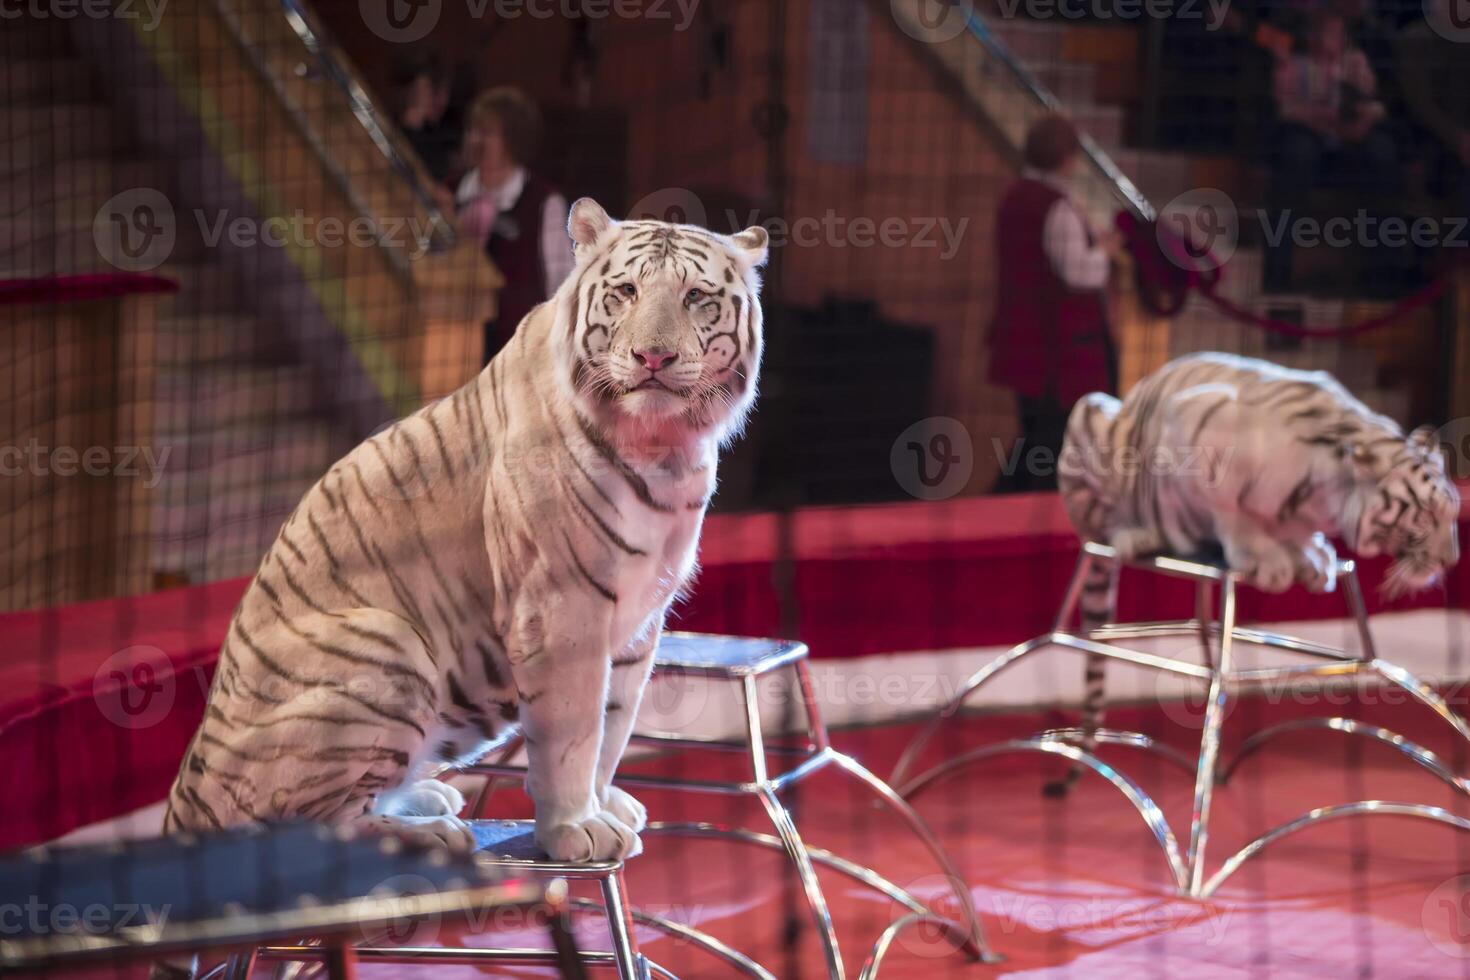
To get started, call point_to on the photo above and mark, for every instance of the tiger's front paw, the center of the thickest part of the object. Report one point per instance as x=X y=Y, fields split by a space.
x=626 y=808
x=1270 y=571
x=446 y=831
x=603 y=837
x=1136 y=542
x=429 y=798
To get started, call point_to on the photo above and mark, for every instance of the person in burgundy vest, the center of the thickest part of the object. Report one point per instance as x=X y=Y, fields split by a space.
x=520 y=218
x=1050 y=341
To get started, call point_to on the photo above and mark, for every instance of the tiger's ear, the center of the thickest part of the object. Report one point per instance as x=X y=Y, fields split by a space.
x=754 y=242
x=586 y=222
x=1423 y=438
x=1364 y=461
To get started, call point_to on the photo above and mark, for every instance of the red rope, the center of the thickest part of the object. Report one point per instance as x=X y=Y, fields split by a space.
x=83 y=288
x=1168 y=271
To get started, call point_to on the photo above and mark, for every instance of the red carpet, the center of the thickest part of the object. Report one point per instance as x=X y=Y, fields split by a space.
x=1072 y=888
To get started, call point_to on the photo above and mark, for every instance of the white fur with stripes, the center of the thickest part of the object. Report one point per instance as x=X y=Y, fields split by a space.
x=503 y=558
x=1265 y=462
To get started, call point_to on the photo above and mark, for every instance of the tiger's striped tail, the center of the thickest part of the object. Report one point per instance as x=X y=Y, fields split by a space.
x=1097 y=605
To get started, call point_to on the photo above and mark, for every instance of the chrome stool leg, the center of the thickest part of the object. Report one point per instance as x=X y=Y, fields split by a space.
x=631 y=964
x=1209 y=751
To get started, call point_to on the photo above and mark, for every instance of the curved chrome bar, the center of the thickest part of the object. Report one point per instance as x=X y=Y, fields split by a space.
x=1114 y=736
x=1348 y=726
x=703 y=940
x=975 y=946
x=825 y=858
x=1421 y=692
x=801 y=860
x=1322 y=815
x=1142 y=802
x=952 y=707
x=953 y=931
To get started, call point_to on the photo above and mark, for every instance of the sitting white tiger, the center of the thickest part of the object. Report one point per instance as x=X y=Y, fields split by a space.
x=1264 y=462
x=504 y=556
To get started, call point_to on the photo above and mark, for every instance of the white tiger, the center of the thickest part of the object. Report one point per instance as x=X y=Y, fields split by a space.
x=1266 y=463
x=503 y=557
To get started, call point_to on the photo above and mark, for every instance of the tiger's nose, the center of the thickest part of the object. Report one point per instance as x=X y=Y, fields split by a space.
x=656 y=358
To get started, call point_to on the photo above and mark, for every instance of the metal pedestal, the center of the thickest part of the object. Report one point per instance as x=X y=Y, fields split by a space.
x=744 y=662
x=1223 y=679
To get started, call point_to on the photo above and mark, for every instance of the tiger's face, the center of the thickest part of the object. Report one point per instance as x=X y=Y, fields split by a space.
x=664 y=323
x=1412 y=515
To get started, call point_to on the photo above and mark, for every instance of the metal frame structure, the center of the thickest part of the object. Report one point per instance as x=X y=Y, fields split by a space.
x=749 y=661
x=1218 y=639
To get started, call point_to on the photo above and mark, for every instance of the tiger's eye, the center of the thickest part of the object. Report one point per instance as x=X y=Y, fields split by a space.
x=694 y=296
x=628 y=289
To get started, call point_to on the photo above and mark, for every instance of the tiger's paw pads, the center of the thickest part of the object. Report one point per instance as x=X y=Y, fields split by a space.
x=1273 y=571
x=603 y=837
x=626 y=808
x=1135 y=542
x=427 y=832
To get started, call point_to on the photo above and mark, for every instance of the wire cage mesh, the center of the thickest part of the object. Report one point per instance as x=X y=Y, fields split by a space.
x=240 y=237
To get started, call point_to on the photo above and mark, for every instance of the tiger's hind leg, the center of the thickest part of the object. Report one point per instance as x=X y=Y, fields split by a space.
x=1098 y=602
x=314 y=715
x=1085 y=474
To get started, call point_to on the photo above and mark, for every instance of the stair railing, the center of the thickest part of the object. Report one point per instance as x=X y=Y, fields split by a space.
x=1018 y=100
